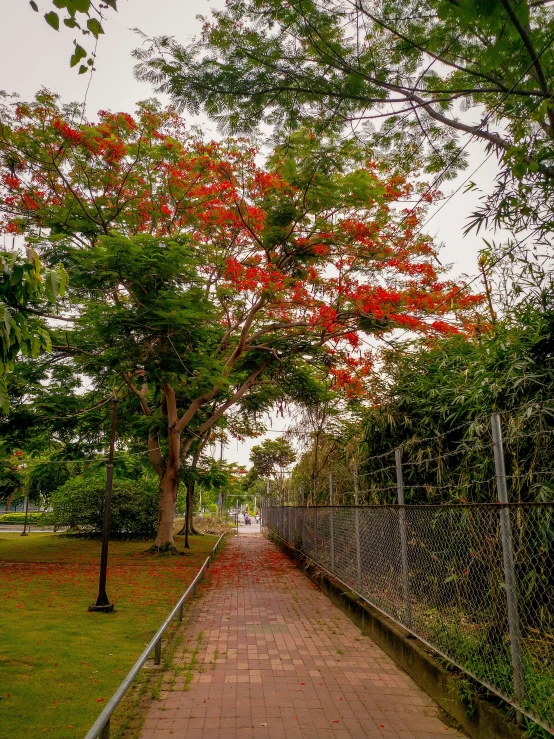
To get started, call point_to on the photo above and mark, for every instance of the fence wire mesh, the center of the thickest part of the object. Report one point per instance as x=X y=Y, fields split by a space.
x=444 y=573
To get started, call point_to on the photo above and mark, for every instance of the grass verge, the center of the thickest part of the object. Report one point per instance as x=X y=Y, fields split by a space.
x=60 y=663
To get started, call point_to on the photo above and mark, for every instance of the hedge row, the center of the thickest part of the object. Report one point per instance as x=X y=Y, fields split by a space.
x=34 y=518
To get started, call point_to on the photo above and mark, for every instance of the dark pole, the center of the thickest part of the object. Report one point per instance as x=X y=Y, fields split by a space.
x=26 y=512
x=102 y=602
x=187 y=506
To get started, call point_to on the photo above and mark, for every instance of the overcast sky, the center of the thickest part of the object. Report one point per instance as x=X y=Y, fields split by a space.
x=32 y=55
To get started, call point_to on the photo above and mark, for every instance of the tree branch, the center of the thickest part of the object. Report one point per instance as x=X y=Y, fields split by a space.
x=237 y=396
x=141 y=395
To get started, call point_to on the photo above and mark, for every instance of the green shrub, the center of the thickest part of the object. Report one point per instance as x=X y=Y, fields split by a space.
x=79 y=503
x=32 y=518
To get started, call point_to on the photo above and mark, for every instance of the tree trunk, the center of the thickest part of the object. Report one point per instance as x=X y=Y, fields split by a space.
x=168 y=471
x=188 y=525
x=9 y=501
x=166 y=468
x=191 y=487
x=166 y=508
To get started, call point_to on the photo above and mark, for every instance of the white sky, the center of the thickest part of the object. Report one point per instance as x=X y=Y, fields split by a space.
x=32 y=56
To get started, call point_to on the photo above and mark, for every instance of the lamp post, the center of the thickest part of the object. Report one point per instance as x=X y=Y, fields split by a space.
x=103 y=602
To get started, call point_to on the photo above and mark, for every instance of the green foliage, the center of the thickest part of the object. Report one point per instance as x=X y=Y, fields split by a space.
x=412 y=77
x=163 y=286
x=77 y=16
x=492 y=664
x=437 y=402
x=411 y=63
x=79 y=503
x=11 y=477
x=271 y=455
x=26 y=289
x=41 y=519
x=44 y=479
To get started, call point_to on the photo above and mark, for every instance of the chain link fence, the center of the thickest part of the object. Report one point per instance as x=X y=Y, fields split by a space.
x=474 y=582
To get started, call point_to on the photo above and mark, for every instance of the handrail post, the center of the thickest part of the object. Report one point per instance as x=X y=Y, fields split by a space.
x=357 y=530
x=105 y=733
x=180 y=612
x=158 y=651
x=403 y=538
x=331 y=523
x=508 y=558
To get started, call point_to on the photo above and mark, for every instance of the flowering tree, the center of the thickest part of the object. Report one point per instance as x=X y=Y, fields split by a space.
x=201 y=281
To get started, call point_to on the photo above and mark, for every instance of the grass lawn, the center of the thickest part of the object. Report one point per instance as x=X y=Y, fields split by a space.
x=60 y=664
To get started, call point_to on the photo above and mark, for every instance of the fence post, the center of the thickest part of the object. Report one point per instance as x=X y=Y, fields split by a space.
x=357 y=530
x=403 y=538
x=295 y=508
x=331 y=522
x=303 y=534
x=289 y=517
x=508 y=558
x=315 y=533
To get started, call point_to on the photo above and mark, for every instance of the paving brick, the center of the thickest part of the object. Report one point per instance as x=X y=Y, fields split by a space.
x=275 y=659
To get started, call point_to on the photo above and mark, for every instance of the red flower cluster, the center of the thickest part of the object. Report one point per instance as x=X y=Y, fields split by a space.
x=308 y=270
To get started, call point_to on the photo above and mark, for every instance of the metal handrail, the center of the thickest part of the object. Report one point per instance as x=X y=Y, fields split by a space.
x=101 y=727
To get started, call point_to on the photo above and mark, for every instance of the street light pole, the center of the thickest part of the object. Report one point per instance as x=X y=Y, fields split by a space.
x=102 y=602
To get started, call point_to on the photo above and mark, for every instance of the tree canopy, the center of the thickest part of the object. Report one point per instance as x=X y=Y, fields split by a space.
x=417 y=80
x=201 y=281
x=271 y=455
x=346 y=62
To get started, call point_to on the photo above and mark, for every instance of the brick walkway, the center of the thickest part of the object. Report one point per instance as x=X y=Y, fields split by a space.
x=267 y=656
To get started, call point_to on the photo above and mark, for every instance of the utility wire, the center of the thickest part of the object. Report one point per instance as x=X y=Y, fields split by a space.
x=458 y=154
x=484 y=122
